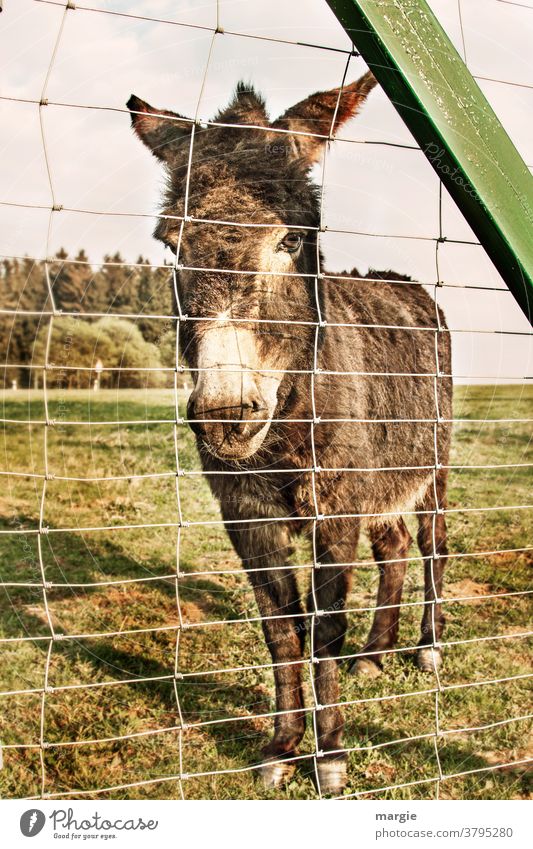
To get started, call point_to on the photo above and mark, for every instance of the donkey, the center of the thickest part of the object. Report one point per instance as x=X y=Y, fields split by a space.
x=326 y=431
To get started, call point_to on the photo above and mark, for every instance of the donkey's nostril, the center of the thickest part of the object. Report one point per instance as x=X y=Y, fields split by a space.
x=253 y=407
x=192 y=415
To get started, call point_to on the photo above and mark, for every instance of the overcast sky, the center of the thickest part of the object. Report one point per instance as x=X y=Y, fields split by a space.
x=97 y=164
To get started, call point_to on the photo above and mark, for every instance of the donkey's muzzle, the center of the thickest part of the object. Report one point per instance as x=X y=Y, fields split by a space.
x=224 y=426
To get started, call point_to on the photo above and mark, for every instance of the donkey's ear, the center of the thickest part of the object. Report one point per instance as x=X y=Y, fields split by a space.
x=315 y=115
x=159 y=129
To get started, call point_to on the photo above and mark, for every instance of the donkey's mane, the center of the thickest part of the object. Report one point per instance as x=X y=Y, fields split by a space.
x=247 y=103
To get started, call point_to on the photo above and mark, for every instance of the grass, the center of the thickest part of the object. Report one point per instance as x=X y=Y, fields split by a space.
x=134 y=555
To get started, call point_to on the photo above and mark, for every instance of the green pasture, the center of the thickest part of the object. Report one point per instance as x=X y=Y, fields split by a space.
x=131 y=587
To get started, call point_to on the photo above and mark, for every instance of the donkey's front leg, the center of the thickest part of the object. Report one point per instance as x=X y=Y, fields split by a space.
x=336 y=545
x=264 y=551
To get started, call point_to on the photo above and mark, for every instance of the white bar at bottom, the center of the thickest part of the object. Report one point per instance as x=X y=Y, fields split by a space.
x=358 y=824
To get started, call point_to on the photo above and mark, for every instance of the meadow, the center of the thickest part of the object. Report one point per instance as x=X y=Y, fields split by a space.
x=123 y=580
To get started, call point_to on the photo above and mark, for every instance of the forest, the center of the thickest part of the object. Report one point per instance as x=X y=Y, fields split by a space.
x=77 y=343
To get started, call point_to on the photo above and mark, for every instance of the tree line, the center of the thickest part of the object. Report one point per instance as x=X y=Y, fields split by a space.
x=77 y=343
x=133 y=352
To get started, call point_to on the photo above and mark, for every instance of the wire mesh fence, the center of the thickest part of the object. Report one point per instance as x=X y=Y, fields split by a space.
x=199 y=647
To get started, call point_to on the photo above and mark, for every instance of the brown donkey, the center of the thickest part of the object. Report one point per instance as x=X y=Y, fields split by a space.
x=364 y=451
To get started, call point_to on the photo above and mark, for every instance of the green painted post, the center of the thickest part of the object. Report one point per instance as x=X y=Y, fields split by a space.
x=429 y=84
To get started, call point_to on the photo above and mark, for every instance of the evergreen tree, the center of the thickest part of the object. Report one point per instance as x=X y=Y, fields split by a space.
x=154 y=297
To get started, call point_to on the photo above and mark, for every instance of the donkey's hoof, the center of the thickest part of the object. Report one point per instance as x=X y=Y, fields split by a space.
x=428 y=659
x=332 y=776
x=276 y=774
x=365 y=668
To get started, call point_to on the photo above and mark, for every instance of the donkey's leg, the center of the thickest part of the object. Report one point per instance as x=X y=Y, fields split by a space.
x=432 y=540
x=389 y=543
x=336 y=544
x=264 y=550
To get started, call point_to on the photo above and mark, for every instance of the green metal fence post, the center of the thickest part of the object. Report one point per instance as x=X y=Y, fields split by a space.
x=425 y=78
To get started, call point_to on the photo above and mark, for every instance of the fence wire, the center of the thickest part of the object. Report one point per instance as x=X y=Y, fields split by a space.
x=181 y=729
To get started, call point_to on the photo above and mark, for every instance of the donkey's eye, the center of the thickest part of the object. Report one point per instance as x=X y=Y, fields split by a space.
x=291 y=242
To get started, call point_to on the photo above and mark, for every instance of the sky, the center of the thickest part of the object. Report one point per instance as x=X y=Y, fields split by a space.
x=96 y=163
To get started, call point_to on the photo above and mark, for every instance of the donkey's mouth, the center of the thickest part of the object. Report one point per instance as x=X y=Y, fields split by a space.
x=232 y=446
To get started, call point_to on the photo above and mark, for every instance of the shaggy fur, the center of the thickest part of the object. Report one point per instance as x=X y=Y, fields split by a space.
x=259 y=176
